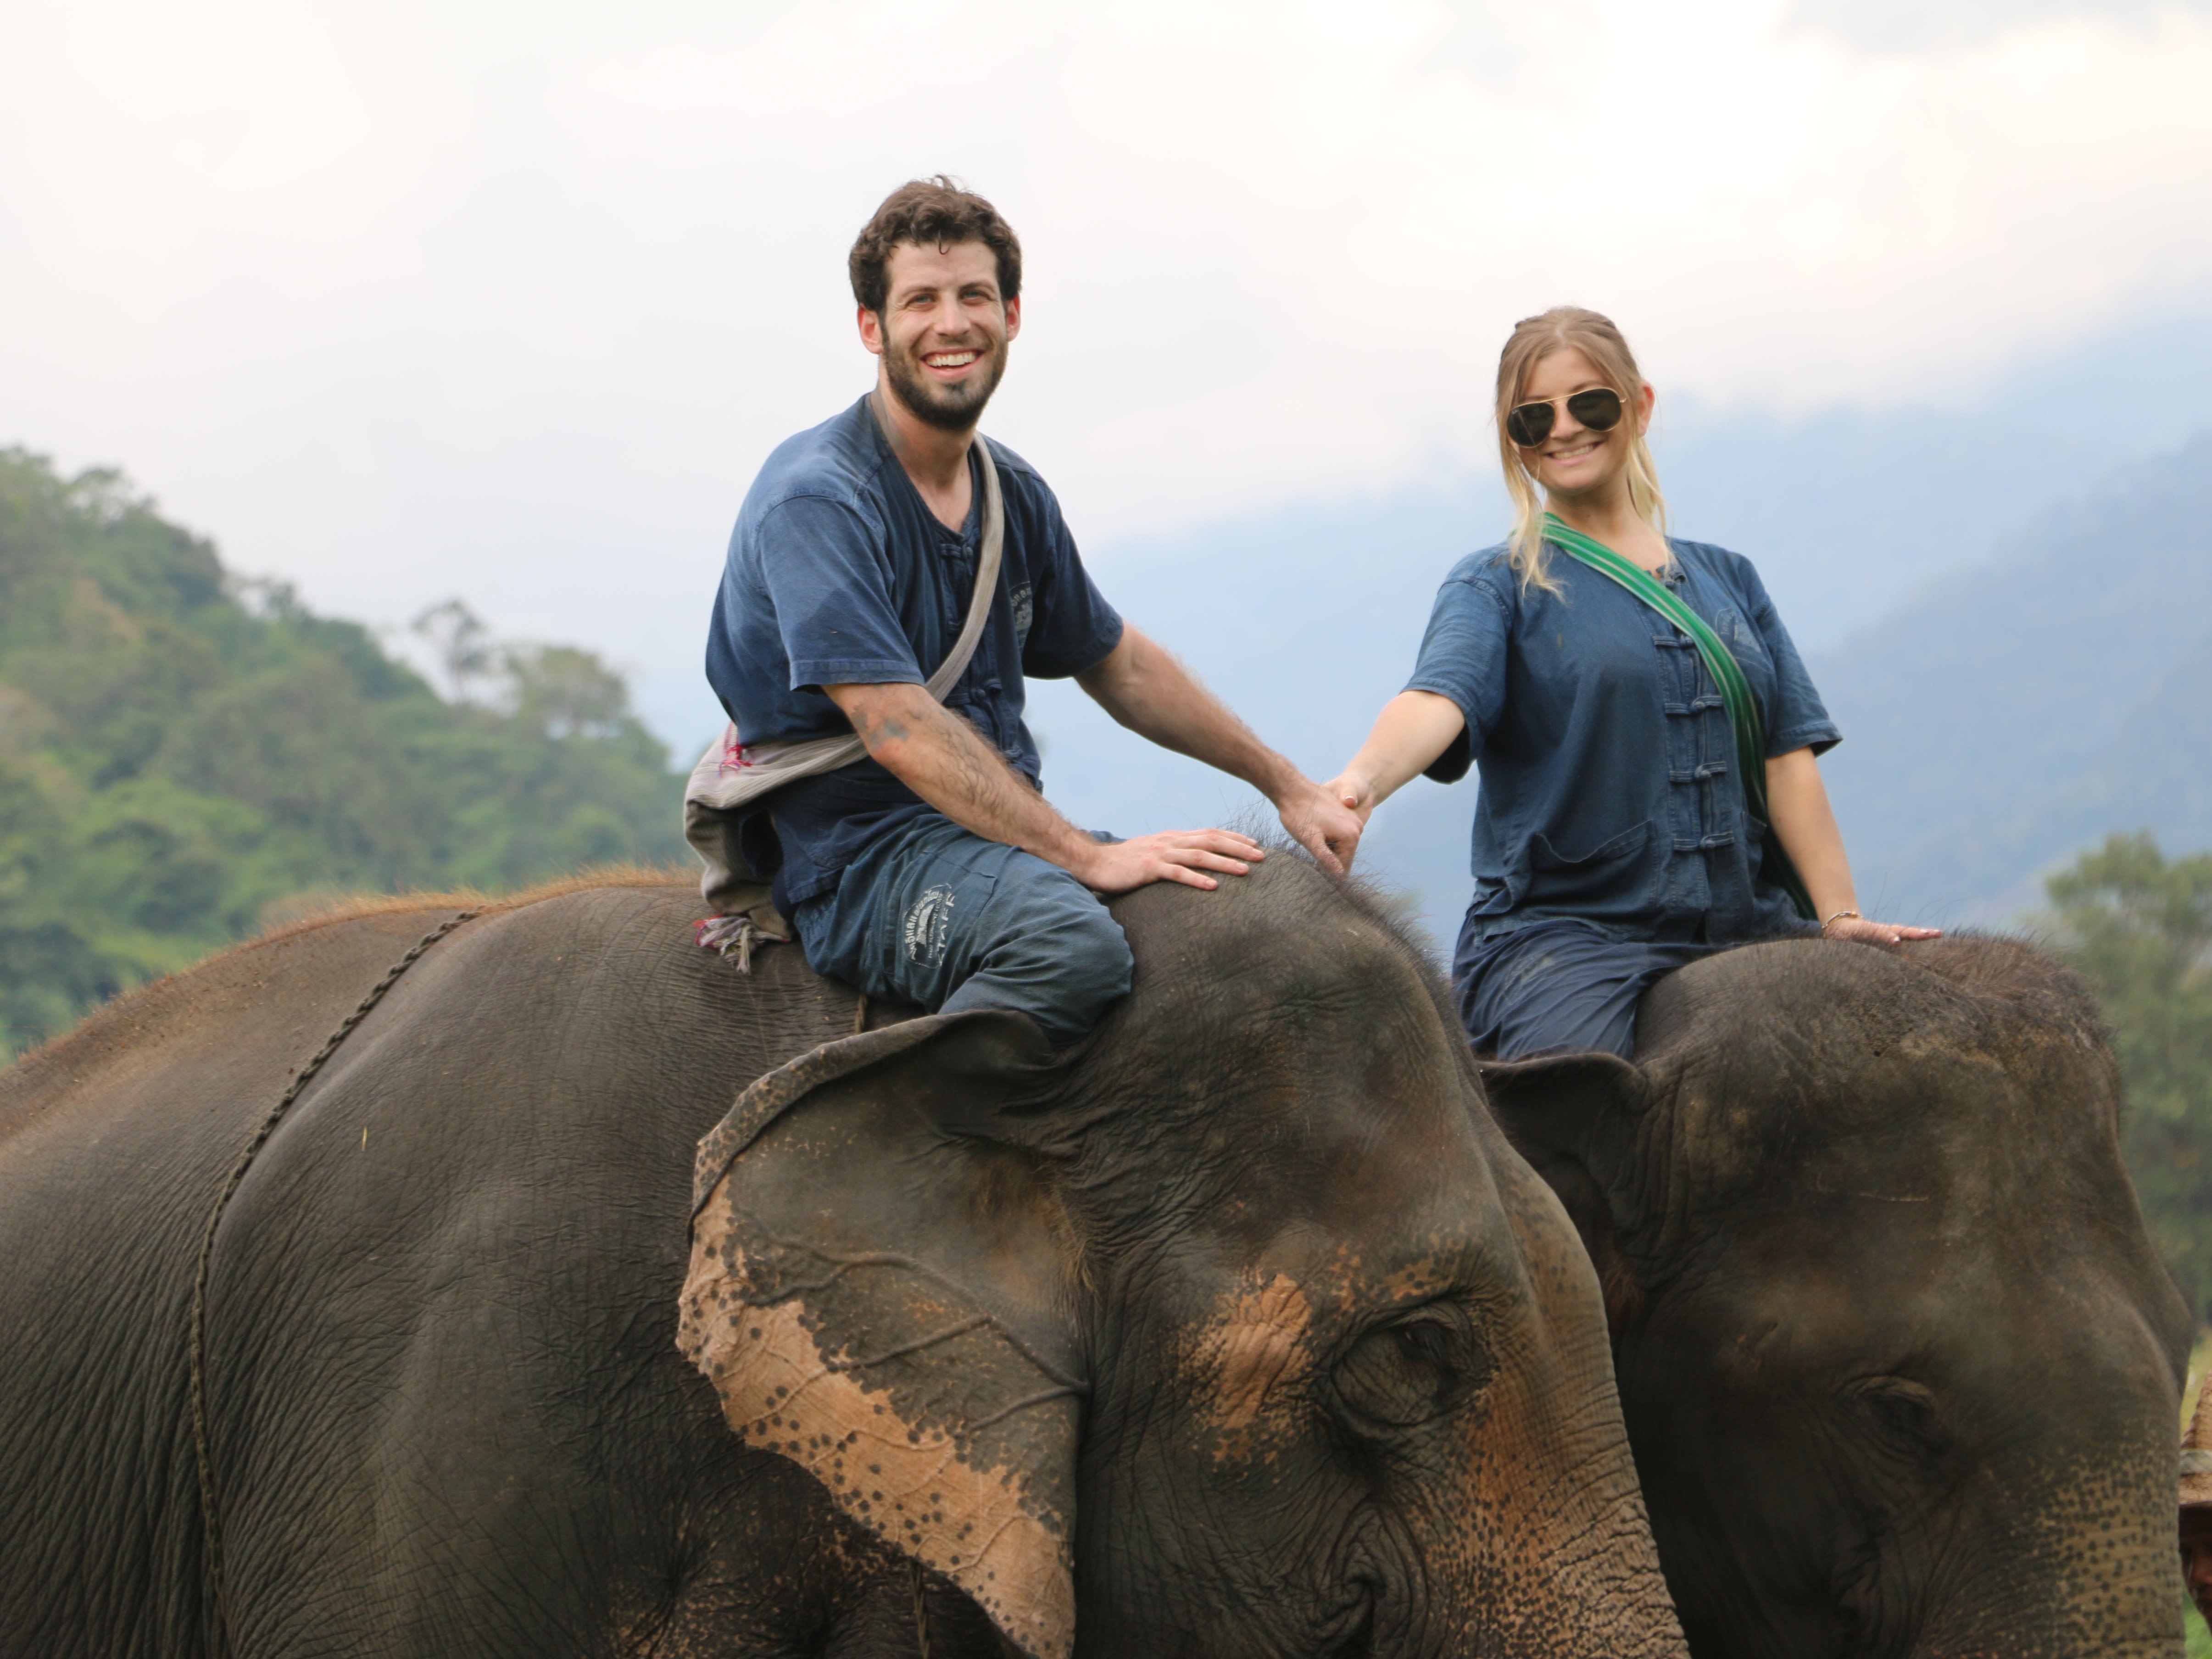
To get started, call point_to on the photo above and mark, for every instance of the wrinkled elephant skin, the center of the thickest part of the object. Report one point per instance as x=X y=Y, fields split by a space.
x=1237 y=1330
x=1899 y=1366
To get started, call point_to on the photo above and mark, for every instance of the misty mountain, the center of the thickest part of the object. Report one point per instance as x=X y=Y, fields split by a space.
x=2016 y=711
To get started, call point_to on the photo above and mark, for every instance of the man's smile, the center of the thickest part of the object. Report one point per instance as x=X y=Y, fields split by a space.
x=950 y=360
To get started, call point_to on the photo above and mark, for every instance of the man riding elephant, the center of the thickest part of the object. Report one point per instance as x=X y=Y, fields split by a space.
x=2196 y=1505
x=1898 y=1359
x=1238 y=1333
x=928 y=866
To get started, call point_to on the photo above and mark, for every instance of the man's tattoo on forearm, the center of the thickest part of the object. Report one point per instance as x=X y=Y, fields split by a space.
x=874 y=728
x=966 y=769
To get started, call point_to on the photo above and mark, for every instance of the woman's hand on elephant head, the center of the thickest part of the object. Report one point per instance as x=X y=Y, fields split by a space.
x=1875 y=932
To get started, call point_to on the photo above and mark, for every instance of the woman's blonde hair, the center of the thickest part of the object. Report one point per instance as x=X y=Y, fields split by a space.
x=1534 y=339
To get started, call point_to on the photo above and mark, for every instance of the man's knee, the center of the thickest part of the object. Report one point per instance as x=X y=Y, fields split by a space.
x=1095 y=959
x=1060 y=959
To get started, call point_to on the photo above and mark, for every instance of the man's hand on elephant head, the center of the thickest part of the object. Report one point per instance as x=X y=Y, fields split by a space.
x=1180 y=855
x=1322 y=824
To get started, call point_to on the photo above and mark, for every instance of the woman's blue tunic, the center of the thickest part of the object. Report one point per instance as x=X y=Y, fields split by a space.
x=1612 y=843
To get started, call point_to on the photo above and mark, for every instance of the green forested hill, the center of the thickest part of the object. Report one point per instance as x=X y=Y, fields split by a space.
x=184 y=756
x=2138 y=926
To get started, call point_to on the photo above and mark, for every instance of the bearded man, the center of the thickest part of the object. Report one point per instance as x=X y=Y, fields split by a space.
x=932 y=869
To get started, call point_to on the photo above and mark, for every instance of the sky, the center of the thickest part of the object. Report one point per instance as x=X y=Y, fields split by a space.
x=509 y=301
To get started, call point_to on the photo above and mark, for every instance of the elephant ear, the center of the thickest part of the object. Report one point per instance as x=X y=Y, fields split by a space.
x=881 y=1289
x=1572 y=1117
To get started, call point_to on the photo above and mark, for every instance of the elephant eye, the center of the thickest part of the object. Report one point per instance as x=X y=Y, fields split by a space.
x=1414 y=1368
x=1902 y=1411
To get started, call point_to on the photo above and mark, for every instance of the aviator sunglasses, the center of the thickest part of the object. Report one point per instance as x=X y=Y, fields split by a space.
x=1530 y=425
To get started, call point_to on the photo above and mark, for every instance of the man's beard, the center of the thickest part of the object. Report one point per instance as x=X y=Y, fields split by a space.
x=948 y=408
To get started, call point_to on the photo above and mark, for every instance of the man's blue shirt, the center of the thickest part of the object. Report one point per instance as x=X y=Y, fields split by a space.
x=1609 y=790
x=839 y=575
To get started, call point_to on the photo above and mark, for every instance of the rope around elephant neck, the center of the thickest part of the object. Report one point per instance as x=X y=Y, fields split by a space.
x=198 y=1339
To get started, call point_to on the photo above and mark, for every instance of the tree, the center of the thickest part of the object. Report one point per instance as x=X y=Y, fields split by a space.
x=186 y=755
x=2138 y=927
x=463 y=644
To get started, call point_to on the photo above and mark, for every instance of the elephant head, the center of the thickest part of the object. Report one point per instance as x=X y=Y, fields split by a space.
x=1899 y=1365
x=1237 y=1330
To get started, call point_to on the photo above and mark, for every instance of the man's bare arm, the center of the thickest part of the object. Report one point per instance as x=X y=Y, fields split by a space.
x=942 y=758
x=1147 y=690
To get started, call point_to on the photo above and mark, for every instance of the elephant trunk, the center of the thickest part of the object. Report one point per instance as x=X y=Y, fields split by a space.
x=1615 y=1601
x=2134 y=1617
x=1575 y=1572
x=2098 y=1578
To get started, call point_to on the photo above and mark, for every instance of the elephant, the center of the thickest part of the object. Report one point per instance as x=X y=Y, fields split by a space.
x=594 y=1297
x=1898 y=1364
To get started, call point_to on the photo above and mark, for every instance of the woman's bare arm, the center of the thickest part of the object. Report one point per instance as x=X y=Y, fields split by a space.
x=1413 y=728
x=1799 y=814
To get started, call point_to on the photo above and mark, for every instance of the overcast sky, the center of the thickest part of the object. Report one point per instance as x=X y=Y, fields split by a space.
x=509 y=301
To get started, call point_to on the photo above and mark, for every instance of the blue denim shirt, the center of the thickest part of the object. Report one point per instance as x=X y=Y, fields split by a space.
x=839 y=575
x=1609 y=781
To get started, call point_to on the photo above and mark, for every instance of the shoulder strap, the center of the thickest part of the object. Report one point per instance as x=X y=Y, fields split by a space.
x=986 y=579
x=1728 y=674
x=730 y=776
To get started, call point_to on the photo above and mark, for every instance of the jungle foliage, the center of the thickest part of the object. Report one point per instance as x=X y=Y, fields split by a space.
x=2138 y=927
x=186 y=757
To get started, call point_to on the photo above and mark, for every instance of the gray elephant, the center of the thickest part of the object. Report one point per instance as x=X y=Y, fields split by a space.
x=1898 y=1364
x=1241 y=1331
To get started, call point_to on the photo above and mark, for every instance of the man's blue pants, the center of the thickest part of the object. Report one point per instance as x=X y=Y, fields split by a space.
x=933 y=914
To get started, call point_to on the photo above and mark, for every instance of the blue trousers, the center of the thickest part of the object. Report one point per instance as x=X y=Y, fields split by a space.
x=1558 y=986
x=931 y=914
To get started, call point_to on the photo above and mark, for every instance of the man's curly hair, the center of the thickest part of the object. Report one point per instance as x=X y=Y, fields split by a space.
x=937 y=210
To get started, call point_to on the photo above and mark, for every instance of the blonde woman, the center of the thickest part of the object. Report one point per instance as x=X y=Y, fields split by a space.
x=1644 y=730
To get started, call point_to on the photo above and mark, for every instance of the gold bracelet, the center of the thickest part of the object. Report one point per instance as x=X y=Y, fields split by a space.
x=1838 y=916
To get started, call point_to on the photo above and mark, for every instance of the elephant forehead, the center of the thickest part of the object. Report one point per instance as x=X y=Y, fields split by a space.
x=1257 y=1338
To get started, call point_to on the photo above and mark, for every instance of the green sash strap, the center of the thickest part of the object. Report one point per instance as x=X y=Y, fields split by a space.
x=1721 y=664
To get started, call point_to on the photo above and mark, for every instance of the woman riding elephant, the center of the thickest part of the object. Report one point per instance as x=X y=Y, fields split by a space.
x=1646 y=730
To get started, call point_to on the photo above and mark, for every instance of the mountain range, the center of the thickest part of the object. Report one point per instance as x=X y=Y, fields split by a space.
x=2015 y=712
